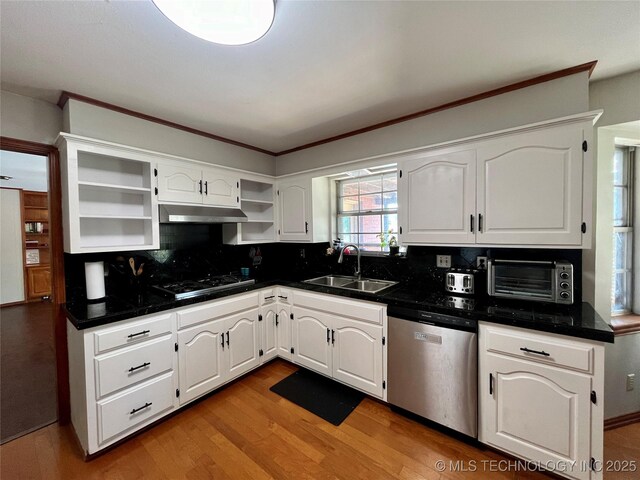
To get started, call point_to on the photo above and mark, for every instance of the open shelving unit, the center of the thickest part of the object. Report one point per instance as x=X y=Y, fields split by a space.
x=111 y=203
x=37 y=252
x=257 y=202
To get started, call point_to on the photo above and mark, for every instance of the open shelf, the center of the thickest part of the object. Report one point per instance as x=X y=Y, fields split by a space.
x=256 y=191
x=114 y=203
x=109 y=186
x=258 y=211
x=115 y=233
x=102 y=169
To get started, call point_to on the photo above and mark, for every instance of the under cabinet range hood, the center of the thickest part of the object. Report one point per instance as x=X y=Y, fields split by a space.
x=200 y=214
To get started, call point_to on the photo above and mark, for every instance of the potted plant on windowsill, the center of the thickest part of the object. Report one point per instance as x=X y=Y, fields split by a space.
x=388 y=239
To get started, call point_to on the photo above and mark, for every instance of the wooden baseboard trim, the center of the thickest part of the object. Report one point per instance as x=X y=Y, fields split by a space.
x=621 y=421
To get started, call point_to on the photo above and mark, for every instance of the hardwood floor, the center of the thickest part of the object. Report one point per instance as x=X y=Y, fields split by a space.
x=28 y=392
x=247 y=431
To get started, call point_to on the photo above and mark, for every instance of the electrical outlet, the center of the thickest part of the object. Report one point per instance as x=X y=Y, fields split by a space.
x=631 y=381
x=481 y=263
x=303 y=254
x=443 y=261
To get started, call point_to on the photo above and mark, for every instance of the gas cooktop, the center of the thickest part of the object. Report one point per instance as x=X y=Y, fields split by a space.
x=203 y=286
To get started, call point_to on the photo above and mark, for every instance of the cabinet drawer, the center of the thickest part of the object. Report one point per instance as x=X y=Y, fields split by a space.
x=540 y=348
x=122 y=413
x=360 y=310
x=284 y=296
x=124 y=368
x=267 y=297
x=132 y=333
x=216 y=309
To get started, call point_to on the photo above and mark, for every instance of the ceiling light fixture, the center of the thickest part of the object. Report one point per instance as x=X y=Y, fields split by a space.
x=228 y=22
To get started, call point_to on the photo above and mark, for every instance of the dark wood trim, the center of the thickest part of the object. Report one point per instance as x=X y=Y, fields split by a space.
x=621 y=421
x=24 y=248
x=58 y=293
x=456 y=103
x=66 y=96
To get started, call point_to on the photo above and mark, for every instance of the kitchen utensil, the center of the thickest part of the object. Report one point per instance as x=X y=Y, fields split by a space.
x=132 y=264
x=140 y=270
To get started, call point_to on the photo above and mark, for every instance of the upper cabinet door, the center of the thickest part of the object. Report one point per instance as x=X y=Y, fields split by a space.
x=530 y=188
x=295 y=211
x=179 y=184
x=437 y=198
x=220 y=188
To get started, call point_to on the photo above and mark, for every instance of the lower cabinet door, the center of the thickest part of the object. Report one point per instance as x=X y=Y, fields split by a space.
x=38 y=282
x=201 y=359
x=312 y=340
x=538 y=413
x=269 y=333
x=283 y=326
x=242 y=342
x=120 y=414
x=357 y=355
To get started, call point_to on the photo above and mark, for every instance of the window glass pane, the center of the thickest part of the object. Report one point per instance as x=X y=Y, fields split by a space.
x=370 y=224
x=347 y=224
x=619 y=300
x=370 y=242
x=390 y=201
x=345 y=238
x=390 y=222
x=619 y=206
x=348 y=187
x=371 y=202
x=621 y=258
x=390 y=182
x=371 y=185
x=619 y=167
x=349 y=204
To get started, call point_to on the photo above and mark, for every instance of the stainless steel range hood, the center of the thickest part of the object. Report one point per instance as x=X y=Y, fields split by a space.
x=200 y=214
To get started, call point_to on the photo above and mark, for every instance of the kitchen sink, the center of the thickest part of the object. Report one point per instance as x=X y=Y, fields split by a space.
x=368 y=285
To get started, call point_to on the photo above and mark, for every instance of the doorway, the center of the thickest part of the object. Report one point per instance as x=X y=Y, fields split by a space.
x=30 y=295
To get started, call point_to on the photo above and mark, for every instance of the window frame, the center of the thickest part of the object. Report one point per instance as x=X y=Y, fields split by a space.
x=626 y=227
x=358 y=214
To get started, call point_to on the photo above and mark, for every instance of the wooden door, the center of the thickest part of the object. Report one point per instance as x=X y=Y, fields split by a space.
x=242 y=342
x=536 y=412
x=179 y=184
x=312 y=340
x=202 y=359
x=38 y=282
x=437 y=198
x=357 y=355
x=295 y=211
x=530 y=188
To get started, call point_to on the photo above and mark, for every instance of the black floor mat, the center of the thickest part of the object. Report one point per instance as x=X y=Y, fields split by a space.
x=320 y=395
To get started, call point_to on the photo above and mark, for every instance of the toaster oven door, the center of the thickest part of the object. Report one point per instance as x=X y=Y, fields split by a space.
x=526 y=280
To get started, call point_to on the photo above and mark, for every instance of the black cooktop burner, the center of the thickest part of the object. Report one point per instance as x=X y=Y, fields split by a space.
x=203 y=286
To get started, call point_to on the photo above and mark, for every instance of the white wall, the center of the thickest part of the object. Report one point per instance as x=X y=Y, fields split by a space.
x=621 y=358
x=91 y=121
x=553 y=99
x=11 y=262
x=27 y=118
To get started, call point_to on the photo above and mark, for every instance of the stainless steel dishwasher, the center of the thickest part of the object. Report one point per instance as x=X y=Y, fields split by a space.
x=433 y=367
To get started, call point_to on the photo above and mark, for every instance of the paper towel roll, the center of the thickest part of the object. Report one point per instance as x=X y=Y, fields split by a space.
x=94 y=276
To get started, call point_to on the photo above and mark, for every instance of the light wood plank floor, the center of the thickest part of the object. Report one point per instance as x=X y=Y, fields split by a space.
x=246 y=431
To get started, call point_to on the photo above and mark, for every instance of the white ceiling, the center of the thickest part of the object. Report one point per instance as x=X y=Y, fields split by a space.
x=323 y=69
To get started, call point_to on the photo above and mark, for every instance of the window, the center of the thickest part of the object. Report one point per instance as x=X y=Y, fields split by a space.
x=367 y=207
x=621 y=293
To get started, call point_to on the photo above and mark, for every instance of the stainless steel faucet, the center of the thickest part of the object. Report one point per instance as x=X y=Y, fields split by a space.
x=357 y=251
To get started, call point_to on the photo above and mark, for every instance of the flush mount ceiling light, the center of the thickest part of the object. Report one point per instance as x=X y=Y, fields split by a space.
x=228 y=22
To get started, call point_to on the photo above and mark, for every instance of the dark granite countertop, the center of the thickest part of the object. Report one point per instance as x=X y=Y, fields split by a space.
x=580 y=321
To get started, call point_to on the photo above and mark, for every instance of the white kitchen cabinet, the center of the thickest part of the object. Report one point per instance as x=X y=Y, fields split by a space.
x=268 y=332
x=242 y=342
x=184 y=182
x=122 y=377
x=529 y=186
x=304 y=207
x=351 y=350
x=312 y=340
x=108 y=203
x=257 y=201
x=284 y=334
x=202 y=359
x=540 y=397
x=437 y=197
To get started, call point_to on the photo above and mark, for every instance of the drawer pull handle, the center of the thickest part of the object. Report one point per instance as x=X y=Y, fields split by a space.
x=136 y=410
x=227 y=339
x=284 y=298
x=269 y=297
x=145 y=364
x=139 y=333
x=541 y=352
x=222 y=342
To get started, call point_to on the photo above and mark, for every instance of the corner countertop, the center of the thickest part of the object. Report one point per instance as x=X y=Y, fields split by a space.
x=580 y=321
